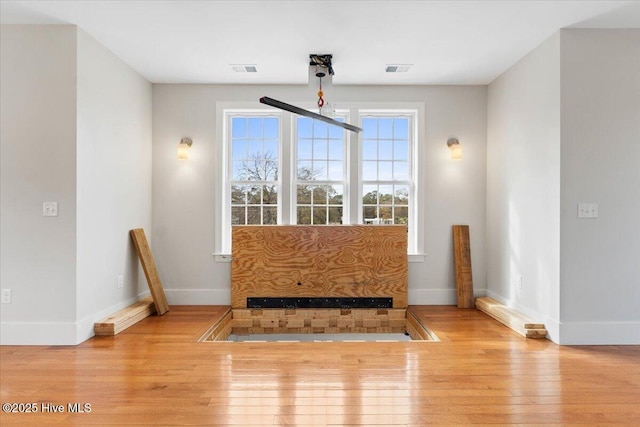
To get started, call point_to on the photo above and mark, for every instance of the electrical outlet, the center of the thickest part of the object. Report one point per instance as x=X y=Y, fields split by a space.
x=519 y=283
x=6 y=296
x=120 y=281
x=49 y=208
x=588 y=210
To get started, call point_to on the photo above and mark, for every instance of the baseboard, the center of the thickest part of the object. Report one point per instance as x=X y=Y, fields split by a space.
x=198 y=296
x=553 y=330
x=38 y=333
x=600 y=333
x=437 y=296
x=581 y=333
x=57 y=333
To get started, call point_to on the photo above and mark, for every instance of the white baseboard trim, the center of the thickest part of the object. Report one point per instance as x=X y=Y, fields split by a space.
x=553 y=330
x=600 y=333
x=57 y=333
x=198 y=296
x=437 y=296
x=580 y=333
x=432 y=296
x=38 y=333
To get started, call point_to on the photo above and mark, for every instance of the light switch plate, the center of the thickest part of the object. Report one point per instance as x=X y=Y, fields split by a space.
x=49 y=208
x=588 y=210
x=6 y=296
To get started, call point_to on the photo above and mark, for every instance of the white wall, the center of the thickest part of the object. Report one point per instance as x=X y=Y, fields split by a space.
x=114 y=181
x=75 y=129
x=523 y=185
x=184 y=196
x=600 y=258
x=38 y=152
x=563 y=129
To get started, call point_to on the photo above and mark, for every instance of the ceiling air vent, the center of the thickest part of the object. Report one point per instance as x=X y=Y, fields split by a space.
x=398 y=68
x=244 y=68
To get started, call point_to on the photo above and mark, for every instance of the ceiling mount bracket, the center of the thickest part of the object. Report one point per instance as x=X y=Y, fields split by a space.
x=322 y=61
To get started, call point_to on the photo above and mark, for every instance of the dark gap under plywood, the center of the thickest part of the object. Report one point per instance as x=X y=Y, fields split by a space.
x=319 y=302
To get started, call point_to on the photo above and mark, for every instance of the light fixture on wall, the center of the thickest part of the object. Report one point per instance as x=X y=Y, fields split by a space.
x=183 y=148
x=455 y=147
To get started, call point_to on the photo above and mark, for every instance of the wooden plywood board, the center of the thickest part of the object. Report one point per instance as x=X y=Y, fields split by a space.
x=150 y=271
x=319 y=261
x=511 y=318
x=125 y=318
x=462 y=263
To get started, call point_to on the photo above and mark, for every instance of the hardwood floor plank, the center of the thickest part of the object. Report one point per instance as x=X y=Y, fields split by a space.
x=155 y=373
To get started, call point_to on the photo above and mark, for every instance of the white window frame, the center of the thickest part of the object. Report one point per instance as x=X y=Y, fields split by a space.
x=222 y=190
x=412 y=182
x=352 y=207
x=229 y=158
x=345 y=168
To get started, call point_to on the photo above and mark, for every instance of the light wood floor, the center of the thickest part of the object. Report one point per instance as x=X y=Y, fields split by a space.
x=155 y=373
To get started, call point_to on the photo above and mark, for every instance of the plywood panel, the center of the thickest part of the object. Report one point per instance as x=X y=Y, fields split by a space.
x=319 y=261
x=150 y=271
x=462 y=261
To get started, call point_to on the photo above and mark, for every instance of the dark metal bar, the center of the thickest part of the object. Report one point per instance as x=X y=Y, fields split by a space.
x=314 y=302
x=301 y=111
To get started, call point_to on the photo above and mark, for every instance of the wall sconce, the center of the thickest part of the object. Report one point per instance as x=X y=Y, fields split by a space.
x=183 y=148
x=455 y=147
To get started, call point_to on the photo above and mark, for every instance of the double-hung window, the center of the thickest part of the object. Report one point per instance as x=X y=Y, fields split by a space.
x=253 y=174
x=287 y=169
x=386 y=169
x=320 y=172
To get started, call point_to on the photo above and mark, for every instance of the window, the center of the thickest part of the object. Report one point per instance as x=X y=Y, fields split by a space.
x=253 y=179
x=287 y=169
x=386 y=166
x=320 y=172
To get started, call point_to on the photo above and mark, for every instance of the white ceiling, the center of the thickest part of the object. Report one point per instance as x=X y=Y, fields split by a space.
x=448 y=42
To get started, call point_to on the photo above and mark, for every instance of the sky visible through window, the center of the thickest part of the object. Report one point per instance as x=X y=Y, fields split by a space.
x=321 y=170
x=254 y=170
